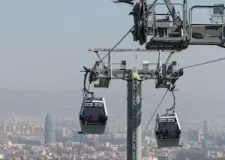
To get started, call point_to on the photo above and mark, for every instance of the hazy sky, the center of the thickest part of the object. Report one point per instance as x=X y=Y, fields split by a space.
x=43 y=45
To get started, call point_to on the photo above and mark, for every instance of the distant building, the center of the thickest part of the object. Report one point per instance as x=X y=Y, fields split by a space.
x=205 y=130
x=191 y=155
x=200 y=136
x=193 y=135
x=49 y=133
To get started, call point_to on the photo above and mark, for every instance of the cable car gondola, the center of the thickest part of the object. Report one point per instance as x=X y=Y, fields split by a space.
x=93 y=115
x=167 y=130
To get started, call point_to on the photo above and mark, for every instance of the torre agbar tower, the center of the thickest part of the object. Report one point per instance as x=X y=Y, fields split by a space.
x=49 y=135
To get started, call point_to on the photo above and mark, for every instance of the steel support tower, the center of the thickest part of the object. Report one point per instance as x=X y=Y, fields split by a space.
x=134 y=78
x=133 y=118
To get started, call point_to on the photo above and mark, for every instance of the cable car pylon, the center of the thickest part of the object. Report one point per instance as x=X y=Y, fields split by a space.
x=104 y=72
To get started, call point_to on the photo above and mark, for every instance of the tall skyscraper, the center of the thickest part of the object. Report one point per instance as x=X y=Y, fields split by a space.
x=49 y=134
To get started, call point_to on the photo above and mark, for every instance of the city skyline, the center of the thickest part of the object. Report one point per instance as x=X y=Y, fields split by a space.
x=28 y=132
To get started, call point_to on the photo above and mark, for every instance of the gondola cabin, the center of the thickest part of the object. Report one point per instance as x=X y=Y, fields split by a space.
x=93 y=115
x=167 y=130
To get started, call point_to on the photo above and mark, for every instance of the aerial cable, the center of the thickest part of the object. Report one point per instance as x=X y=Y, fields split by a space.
x=155 y=111
x=174 y=103
x=144 y=14
x=203 y=63
x=130 y=30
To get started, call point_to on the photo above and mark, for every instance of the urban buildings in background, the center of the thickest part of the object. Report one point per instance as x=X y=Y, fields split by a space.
x=24 y=137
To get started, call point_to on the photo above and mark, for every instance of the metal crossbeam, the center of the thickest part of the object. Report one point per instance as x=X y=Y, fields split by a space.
x=124 y=50
x=124 y=74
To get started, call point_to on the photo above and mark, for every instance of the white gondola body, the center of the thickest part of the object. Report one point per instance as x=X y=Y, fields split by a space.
x=167 y=130
x=91 y=110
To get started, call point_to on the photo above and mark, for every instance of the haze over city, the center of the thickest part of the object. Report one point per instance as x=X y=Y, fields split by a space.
x=44 y=46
